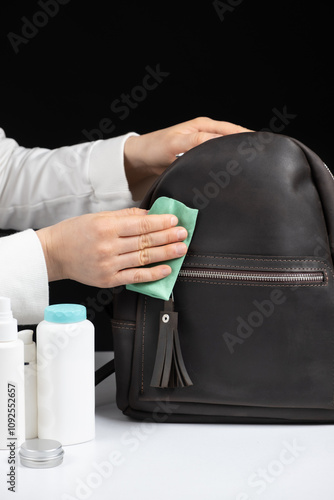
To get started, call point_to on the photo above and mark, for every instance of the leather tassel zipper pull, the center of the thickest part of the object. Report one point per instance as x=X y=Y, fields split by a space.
x=169 y=368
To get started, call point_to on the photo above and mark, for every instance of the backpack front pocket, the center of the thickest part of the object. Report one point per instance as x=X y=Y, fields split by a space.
x=253 y=331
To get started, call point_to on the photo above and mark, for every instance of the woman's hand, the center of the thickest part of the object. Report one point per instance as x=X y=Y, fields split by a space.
x=107 y=249
x=146 y=156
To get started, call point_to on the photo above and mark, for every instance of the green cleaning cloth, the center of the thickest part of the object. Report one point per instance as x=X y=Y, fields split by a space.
x=162 y=289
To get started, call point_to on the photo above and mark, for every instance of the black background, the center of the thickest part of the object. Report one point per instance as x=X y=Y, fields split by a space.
x=237 y=63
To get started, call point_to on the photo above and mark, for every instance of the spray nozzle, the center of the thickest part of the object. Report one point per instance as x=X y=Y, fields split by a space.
x=8 y=325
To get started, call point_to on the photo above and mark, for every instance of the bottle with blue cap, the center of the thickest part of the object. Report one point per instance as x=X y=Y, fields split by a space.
x=66 y=375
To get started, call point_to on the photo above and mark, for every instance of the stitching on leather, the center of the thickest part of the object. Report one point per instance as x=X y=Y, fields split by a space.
x=276 y=285
x=318 y=261
x=118 y=323
x=143 y=347
x=250 y=268
x=253 y=258
x=123 y=327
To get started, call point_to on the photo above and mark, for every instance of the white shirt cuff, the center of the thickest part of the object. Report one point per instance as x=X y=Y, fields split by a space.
x=24 y=276
x=107 y=174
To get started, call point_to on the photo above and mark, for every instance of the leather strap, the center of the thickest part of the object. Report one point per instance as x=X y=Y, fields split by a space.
x=104 y=372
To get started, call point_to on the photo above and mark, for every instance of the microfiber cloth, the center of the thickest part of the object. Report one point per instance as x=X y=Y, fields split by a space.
x=162 y=289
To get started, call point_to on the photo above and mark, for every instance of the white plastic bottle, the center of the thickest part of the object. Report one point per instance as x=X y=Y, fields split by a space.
x=66 y=375
x=30 y=382
x=12 y=404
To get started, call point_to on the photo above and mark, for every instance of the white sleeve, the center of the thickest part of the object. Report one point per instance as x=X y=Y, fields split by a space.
x=39 y=187
x=23 y=276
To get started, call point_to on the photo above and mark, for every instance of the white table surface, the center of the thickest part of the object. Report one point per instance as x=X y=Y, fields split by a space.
x=130 y=459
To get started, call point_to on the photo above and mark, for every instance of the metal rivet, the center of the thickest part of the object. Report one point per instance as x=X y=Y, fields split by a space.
x=165 y=318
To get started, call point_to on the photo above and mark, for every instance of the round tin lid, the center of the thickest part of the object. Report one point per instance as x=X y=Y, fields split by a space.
x=41 y=453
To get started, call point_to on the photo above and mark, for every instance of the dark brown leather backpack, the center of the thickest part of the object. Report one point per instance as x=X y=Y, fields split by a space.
x=253 y=304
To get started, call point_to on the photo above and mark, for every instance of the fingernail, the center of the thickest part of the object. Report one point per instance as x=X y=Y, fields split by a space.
x=182 y=234
x=173 y=220
x=166 y=271
x=181 y=249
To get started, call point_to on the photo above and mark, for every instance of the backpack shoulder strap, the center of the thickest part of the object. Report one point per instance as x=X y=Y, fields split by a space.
x=104 y=372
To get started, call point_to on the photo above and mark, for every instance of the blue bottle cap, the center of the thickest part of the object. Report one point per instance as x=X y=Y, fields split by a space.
x=65 y=313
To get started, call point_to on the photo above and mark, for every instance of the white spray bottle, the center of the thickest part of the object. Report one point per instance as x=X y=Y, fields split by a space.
x=30 y=382
x=12 y=402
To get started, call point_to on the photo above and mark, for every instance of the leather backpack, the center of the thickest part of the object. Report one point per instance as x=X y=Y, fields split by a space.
x=248 y=334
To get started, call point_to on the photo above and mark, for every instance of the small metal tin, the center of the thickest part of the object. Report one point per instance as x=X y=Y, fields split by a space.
x=41 y=453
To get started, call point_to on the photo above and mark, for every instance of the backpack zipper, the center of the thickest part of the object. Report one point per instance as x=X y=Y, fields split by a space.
x=287 y=277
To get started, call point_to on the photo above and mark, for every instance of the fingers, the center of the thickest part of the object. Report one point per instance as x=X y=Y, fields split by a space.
x=126 y=211
x=204 y=124
x=148 y=240
x=141 y=275
x=137 y=224
x=189 y=141
x=151 y=255
x=142 y=240
x=199 y=130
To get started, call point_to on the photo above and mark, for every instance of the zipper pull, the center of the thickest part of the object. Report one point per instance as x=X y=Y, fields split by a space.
x=169 y=368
